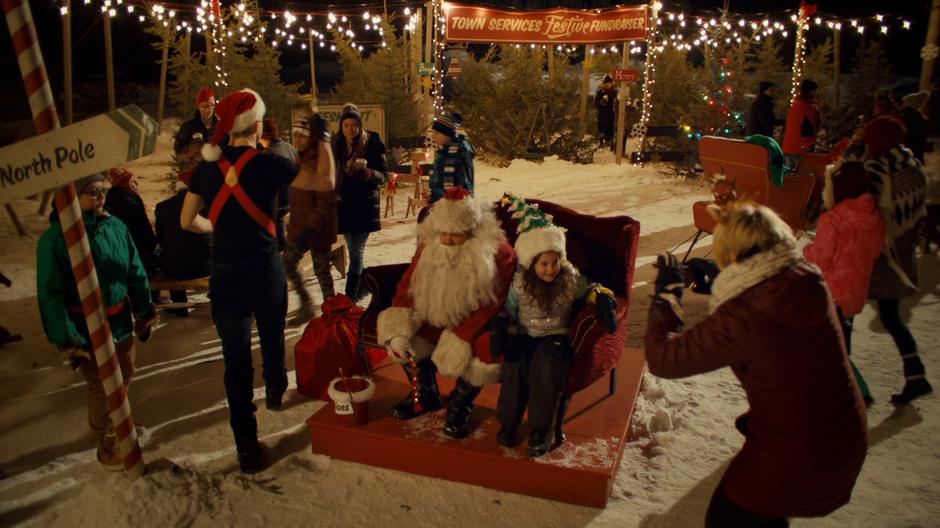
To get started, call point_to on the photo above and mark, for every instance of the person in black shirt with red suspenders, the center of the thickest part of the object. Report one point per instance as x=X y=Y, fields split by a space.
x=241 y=185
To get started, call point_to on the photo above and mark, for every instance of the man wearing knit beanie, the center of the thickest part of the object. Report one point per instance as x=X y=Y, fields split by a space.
x=900 y=184
x=239 y=184
x=453 y=161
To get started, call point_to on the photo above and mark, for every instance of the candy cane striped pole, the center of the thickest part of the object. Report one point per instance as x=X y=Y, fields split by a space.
x=20 y=22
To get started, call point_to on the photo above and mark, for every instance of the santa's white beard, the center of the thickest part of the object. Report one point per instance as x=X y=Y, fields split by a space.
x=451 y=282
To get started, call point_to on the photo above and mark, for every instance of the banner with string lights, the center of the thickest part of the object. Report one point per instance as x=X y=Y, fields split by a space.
x=466 y=23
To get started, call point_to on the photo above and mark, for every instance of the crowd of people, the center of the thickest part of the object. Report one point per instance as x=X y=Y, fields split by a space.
x=779 y=317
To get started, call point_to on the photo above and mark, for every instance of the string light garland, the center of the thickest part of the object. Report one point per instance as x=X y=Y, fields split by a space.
x=649 y=77
x=799 y=55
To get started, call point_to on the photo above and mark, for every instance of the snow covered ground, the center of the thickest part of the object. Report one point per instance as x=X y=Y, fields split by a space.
x=682 y=437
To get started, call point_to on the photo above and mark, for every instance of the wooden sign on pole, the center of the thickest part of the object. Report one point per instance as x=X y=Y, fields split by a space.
x=313 y=71
x=622 y=102
x=109 y=60
x=58 y=157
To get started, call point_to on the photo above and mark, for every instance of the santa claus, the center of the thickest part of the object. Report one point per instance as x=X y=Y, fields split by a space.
x=439 y=319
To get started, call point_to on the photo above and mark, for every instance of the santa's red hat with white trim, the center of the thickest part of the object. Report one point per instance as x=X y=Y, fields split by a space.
x=237 y=112
x=457 y=212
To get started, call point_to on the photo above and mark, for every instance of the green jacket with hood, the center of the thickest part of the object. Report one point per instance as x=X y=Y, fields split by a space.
x=121 y=276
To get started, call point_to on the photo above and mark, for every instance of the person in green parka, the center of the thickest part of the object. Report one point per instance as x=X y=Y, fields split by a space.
x=124 y=289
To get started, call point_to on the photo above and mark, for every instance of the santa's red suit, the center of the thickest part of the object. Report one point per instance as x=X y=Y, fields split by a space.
x=449 y=293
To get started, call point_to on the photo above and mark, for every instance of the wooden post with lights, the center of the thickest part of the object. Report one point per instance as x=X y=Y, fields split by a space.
x=109 y=58
x=836 y=62
x=416 y=56
x=585 y=85
x=926 y=71
x=164 y=59
x=313 y=70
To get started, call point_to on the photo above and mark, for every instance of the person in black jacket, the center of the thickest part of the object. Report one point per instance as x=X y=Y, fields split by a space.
x=183 y=255
x=605 y=99
x=361 y=169
x=125 y=203
x=761 y=118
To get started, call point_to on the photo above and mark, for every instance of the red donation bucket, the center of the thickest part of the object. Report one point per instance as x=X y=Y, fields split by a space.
x=351 y=399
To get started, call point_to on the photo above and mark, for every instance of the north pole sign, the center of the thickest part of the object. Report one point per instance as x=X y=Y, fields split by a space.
x=467 y=23
x=67 y=154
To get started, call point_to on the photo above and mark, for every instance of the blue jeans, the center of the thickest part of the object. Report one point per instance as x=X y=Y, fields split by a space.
x=239 y=290
x=356 y=245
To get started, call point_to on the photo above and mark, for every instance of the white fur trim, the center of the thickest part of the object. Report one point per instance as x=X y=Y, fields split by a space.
x=341 y=396
x=742 y=276
x=534 y=241
x=456 y=216
x=245 y=119
x=479 y=373
x=211 y=152
x=452 y=355
x=396 y=321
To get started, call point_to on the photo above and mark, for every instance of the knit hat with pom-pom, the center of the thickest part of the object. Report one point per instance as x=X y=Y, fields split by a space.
x=537 y=233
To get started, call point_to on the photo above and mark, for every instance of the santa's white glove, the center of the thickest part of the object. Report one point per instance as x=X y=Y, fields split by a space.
x=398 y=347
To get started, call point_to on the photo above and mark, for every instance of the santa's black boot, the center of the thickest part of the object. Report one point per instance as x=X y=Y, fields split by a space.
x=429 y=397
x=459 y=407
x=560 y=419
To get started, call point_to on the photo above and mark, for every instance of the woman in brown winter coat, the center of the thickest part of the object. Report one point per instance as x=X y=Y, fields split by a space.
x=773 y=322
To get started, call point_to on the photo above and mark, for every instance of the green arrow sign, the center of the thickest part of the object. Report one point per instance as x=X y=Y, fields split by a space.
x=67 y=154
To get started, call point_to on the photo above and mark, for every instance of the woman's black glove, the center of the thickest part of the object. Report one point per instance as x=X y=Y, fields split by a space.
x=669 y=278
x=703 y=272
x=669 y=283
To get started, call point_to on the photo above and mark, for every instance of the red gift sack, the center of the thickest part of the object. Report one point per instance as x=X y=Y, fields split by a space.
x=328 y=345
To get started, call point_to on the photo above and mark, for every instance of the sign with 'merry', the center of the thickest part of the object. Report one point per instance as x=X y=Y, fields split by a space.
x=67 y=154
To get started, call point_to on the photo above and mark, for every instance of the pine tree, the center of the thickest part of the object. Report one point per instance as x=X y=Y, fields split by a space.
x=818 y=67
x=382 y=77
x=768 y=66
x=510 y=106
x=870 y=70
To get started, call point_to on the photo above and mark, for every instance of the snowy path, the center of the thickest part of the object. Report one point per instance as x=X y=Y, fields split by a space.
x=682 y=438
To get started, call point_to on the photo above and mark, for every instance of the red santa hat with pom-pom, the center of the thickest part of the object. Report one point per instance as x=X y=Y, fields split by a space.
x=237 y=112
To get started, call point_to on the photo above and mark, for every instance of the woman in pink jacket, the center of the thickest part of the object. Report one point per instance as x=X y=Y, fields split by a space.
x=849 y=238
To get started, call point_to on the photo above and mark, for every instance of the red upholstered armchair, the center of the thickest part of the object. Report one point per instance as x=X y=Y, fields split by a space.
x=602 y=248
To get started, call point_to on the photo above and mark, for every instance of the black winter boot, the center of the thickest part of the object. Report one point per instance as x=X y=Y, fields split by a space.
x=429 y=397
x=540 y=442
x=352 y=286
x=560 y=419
x=459 y=407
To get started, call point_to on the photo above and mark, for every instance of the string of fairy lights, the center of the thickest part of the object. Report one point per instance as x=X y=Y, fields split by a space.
x=290 y=28
x=363 y=29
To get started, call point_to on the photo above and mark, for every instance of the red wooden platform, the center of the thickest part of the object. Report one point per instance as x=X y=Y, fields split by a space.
x=581 y=471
